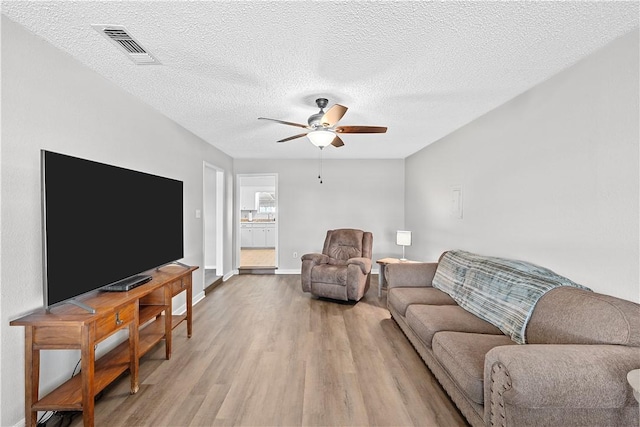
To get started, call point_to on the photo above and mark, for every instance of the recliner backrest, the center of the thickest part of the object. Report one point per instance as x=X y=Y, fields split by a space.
x=346 y=243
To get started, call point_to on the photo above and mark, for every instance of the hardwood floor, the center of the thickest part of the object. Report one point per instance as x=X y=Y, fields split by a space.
x=263 y=353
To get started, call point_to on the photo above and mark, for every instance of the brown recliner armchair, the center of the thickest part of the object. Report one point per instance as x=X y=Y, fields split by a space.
x=343 y=269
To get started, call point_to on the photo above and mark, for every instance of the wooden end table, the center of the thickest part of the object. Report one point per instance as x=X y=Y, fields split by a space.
x=383 y=263
x=634 y=380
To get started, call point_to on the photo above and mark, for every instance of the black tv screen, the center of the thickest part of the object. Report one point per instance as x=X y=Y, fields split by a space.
x=103 y=224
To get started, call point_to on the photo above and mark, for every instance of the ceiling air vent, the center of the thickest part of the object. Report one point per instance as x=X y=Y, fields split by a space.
x=119 y=36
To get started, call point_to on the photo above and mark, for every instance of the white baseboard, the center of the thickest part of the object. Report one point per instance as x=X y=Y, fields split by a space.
x=197 y=298
x=183 y=308
x=290 y=271
x=229 y=275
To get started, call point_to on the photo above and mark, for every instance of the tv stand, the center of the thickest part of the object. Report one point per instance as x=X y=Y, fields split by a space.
x=78 y=304
x=146 y=312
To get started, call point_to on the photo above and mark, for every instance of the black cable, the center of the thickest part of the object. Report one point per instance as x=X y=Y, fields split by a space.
x=74 y=369
x=43 y=420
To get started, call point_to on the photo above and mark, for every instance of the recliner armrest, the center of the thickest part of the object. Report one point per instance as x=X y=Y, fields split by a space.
x=363 y=263
x=316 y=258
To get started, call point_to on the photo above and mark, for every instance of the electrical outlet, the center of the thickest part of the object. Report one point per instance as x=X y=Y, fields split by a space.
x=295 y=254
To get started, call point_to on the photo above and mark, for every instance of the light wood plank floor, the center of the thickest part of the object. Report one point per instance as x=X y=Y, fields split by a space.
x=257 y=258
x=263 y=353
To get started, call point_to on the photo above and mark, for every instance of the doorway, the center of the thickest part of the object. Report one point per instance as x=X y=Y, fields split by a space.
x=257 y=237
x=213 y=237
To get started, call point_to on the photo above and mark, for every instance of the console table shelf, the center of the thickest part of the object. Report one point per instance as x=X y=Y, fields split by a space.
x=176 y=320
x=69 y=395
x=150 y=335
x=146 y=311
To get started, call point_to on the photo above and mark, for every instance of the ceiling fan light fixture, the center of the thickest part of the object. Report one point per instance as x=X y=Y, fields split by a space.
x=321 y=137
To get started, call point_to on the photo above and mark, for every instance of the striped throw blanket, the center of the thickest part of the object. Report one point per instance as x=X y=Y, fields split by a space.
x=501 y=291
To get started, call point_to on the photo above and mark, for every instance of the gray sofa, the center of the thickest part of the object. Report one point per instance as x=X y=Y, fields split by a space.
x=571 y=370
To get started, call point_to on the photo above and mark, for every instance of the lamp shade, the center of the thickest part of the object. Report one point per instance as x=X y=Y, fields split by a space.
x=321 y=138
x=403 y=238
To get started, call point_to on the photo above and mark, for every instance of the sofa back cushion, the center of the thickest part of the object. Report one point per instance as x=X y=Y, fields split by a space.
x=573 y=316
x=501 y=291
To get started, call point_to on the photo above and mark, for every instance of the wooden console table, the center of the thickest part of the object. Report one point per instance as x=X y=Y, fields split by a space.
x=146 y=311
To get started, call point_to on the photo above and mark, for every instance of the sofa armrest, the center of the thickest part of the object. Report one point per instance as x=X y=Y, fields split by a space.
x=316 y=258
x=556 y=376
x=363 y=263
x=410 y=275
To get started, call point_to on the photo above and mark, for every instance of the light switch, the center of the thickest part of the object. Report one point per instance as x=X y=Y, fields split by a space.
x=198 y=213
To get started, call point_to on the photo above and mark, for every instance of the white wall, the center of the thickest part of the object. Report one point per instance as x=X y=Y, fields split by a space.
x=50 y=101
x=550 y=177
x=364 y=194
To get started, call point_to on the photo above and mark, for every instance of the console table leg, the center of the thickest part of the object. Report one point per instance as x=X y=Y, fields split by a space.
x=380 y=280
x=168 y=319
x=189 y=309
x=31 y=378
x=133 y=353
x=87 y=366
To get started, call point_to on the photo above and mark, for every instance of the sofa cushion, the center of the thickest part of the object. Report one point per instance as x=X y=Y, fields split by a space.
x=326 y=273
x=462 y=355
x=573 y=316
x=426 y=320
x=401 y=298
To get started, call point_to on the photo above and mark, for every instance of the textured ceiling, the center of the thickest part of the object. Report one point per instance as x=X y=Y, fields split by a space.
x=423 y=69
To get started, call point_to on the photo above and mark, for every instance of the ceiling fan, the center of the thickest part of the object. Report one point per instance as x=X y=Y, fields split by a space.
x=322 y=129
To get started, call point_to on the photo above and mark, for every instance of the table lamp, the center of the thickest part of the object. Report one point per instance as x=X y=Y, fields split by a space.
x=403 y=238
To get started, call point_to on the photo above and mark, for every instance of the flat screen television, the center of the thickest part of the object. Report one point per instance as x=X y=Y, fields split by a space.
x=104 y=225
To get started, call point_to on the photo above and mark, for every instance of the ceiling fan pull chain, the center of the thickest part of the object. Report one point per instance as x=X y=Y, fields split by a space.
x=320 y=173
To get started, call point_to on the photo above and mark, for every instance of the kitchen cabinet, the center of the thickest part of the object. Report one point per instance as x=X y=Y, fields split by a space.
x=258 y=235
x=270 y=238
x=246 y=239
x=248 y=199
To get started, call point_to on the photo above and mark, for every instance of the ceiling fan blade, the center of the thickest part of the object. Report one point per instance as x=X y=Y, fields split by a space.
x=292 y=137
x=285 y=123
x=361 y=129
x=337 y=142
x=333 y=115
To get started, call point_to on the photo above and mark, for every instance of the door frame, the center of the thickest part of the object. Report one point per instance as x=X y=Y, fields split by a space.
x=219 y=216
x=238 y=213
